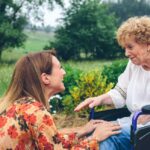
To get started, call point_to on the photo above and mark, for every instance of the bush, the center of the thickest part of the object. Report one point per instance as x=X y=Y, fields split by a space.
x=88 y=85
x=71 y=78
x=114 y=70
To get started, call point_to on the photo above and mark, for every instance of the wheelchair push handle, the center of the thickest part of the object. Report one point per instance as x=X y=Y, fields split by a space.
x=91 y=114
x=146 y=109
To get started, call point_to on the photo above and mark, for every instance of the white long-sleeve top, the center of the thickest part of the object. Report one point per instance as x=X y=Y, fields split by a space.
x=132 y=90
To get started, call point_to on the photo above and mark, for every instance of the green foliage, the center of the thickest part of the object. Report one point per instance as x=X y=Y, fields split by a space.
x=113 y=71
x=124 y=9
x=11 y=26
x=5 y=76
x=88 y=85
x=55 y=104
x=71 y=78
x=13 y=19
x=87 y=28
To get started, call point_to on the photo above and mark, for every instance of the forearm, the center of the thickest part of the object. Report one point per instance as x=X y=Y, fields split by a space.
x=70 y=130
x=106 y=99
x=79 y=131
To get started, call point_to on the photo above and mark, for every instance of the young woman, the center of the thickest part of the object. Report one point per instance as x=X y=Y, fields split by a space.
x=25 y=121
x=133 y=84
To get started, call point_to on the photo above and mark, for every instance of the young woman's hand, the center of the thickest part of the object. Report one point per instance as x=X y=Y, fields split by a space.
x=82 y=130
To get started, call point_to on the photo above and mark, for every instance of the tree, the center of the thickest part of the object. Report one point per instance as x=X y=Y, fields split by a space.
x=13 y=19
x=124 y=9
x=87 y=28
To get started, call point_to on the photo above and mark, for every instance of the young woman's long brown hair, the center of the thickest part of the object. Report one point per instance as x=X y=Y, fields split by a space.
x=26 y=78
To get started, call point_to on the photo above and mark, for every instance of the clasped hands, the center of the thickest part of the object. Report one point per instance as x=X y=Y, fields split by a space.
x=101 y=129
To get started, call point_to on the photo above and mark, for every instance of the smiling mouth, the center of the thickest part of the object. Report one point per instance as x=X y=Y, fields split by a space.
x=146 y=67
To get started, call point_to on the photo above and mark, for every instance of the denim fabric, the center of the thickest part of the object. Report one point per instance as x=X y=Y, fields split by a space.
x=117 y=142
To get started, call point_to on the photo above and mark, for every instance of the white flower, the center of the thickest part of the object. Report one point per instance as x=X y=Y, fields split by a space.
x=54 y=112
x=56 y=96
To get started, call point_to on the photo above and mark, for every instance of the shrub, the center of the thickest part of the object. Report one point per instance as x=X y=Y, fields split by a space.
x=88 y=85
x=71 y=78
x=114 y=70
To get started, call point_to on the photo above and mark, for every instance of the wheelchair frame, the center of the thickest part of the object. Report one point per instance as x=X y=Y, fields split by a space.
x=140 y=138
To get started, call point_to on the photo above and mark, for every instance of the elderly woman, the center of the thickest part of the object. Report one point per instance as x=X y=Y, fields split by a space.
x=26 y=124
x=133 y=87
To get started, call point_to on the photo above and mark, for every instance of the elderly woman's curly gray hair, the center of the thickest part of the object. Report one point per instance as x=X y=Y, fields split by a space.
x=137 y=28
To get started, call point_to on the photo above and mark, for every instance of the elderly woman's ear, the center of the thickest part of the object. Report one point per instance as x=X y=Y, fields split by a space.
x=45 y=78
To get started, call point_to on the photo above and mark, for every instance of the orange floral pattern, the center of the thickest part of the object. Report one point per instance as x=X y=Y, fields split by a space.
x=28 y=125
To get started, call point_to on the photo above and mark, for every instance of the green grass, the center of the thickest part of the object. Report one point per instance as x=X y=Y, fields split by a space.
x=5 y=76
x=35 y=42
x=87 y=65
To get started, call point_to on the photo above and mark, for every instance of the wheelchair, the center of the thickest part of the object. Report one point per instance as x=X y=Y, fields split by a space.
x=140 y=138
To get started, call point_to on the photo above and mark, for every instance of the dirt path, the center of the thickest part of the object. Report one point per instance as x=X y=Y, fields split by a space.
x=63 y=121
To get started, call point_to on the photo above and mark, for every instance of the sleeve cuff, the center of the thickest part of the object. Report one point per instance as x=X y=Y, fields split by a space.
x=117 y=99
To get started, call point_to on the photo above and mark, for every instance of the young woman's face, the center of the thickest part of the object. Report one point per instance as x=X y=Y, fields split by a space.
x=137 y=53
x=57 y=76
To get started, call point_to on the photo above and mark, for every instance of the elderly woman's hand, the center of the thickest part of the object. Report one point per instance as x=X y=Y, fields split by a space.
x=143 y=119
x=105 y=130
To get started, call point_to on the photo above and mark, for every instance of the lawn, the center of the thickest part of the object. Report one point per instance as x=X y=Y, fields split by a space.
x=35 y=42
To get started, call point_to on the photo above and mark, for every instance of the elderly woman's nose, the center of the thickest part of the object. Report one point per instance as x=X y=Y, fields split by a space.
x=127 y=53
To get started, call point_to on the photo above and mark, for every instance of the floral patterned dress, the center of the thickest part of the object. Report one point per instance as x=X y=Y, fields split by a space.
x=27 y=125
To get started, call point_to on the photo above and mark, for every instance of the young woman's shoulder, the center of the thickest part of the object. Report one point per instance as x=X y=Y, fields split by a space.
x=28 y=105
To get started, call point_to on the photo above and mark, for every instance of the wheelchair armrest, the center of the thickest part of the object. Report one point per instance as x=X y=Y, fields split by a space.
x=111 y=115
x=140 y=137
x=146 y=109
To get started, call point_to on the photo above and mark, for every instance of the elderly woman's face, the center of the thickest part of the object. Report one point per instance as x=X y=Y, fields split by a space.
x=137 y=53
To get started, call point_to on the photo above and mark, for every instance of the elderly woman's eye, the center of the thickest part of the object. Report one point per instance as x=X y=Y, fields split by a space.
x=130 y=46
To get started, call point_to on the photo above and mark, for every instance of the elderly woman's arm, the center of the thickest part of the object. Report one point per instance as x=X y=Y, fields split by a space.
x=116 y=96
